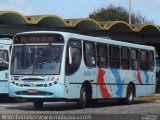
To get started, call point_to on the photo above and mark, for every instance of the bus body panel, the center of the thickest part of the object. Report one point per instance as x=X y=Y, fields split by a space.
x=115 y=83
x=5 y=46
x=3 y=86
x=105 y=82
x=54 y=91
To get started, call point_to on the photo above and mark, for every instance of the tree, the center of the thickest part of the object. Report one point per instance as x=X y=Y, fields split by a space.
x=112 y=13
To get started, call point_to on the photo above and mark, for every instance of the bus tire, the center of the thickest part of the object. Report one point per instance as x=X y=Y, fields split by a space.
x=130 y=95
x=38 y=104
x=83 y=98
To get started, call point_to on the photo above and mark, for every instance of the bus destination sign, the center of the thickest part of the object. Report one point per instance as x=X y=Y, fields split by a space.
x=23 y=39
x=37 y=39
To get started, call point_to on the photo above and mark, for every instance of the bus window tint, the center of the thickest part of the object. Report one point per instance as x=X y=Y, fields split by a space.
x=102 y=55
x=134 y=59
x=74 y=46
x=125 y=58
x=144 y=61
x=37 y=60
x=114 y=56
x=5 y=55
x=151 y=60
x=1 y=54
x=89 y=54
x=4 y=59
x=76 y=52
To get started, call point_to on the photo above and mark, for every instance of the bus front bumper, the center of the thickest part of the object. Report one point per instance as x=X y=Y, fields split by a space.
x=54 y=91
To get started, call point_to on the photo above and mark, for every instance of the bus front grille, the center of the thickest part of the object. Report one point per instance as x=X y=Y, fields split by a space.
x=38 y=93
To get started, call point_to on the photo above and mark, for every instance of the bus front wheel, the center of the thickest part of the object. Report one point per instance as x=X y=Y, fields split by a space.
x=83 y=98
x=130 y=95
x=38 y=104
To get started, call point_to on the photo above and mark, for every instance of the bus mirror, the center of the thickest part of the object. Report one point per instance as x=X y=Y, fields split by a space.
x=70 y=55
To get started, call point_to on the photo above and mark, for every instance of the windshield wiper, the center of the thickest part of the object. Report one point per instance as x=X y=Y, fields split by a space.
x=34 y=63
x=38 y=61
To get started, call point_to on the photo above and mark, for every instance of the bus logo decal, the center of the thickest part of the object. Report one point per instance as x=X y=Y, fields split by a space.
x=103 y=89
x=87 y=73
x=50 y=78
x=134 y=75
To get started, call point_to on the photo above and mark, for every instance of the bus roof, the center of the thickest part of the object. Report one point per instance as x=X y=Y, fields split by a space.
x=94 y=39
x=6 y=41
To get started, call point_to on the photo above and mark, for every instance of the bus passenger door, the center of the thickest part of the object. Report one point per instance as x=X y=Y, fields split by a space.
x=89 y=70
x=73 y=69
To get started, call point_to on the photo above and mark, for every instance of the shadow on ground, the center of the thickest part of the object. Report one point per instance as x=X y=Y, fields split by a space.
x=66 y=106
x=6 y=99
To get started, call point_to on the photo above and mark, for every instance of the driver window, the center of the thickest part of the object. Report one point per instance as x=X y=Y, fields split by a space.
x=73 y=56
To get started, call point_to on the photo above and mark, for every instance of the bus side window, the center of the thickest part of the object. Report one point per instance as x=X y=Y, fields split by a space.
x=125 y=58
x=151 y=60
x=102 y=55
x=89 y=54
x=73 y=56
x=134 y=59
x=144 y=60
x=4 y=58
x=114 y=56
x=5 y=55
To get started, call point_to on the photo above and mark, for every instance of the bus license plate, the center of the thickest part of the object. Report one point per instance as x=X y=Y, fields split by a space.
x=32 y=91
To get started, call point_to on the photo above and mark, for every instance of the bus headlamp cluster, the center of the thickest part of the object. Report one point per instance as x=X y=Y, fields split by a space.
x=33 y=85
x=17 y=84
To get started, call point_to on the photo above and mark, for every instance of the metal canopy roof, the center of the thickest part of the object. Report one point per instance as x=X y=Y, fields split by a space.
x=51 y=21
x=12 y=22
x=117 y=26
x=148 y=29
x=11 y=17
x=87 y=24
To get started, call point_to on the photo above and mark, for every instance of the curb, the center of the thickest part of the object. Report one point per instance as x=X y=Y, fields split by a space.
x=149 y=97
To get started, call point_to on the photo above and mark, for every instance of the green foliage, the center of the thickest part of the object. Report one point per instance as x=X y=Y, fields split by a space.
x=112 y=13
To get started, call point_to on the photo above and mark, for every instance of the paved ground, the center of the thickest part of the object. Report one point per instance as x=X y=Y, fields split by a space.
x=142 y=107
x=139 y=107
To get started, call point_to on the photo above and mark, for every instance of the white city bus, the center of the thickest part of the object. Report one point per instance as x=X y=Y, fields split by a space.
x=53 y=66
x=5 y=48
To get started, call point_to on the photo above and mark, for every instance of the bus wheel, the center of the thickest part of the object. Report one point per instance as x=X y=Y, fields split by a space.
x=38 y=104
x=130 y=95
x=83 y=98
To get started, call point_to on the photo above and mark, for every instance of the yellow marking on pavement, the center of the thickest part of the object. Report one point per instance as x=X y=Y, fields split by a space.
x=150 y=97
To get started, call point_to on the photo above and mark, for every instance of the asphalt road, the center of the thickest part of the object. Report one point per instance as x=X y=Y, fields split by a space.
x=141 y=108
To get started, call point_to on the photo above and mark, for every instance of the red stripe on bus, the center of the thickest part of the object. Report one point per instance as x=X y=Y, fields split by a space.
x=139 y=78
x=103 y=89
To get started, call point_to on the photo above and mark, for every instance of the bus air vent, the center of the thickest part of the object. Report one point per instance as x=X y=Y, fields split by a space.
x=36 y=79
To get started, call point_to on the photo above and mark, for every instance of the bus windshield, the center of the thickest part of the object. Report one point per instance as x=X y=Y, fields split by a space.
x=36 y=59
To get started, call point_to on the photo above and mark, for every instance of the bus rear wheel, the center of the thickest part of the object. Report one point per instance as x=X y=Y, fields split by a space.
x=83 y=98
x=130 y=95
x=38 y=104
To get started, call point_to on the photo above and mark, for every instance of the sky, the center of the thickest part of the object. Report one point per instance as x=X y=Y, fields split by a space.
x=80 y=8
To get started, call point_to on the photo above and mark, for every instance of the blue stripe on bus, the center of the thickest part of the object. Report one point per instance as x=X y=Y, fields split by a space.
x=118 y=81
x=147 y=76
